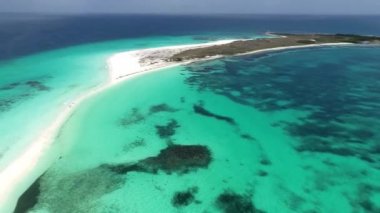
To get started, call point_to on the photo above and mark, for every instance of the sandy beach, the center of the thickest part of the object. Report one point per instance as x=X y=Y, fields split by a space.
x=36 y=158
x=142 y=61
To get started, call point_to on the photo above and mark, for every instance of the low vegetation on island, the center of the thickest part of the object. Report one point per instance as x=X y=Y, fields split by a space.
x=279 y=41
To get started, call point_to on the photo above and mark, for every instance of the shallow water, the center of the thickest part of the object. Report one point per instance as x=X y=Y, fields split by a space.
x=295 y=131
x=34 y=89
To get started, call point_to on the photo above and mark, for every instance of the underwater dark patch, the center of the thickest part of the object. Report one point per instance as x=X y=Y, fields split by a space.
x=133 y=118
x=265 y=161
x=338 y=99
x=293 y=200
x=318 y=145
x=168 y=130
x=184 y=198
x=10 y=86
x=366 y=157
x=262 y=173
x=376 y=149
x=363 y=200
x=37 y=85
x=363 y=134
x=6 y=104
x=181 y=158
x=161 y=108
x=79 y=191
x=368 y=205
x=123 y=169
x=306 y=129
x=231 y=202
x=175 y=158
x=247 y=136
x=29 y=198
x=135 y=144
x=199 y=109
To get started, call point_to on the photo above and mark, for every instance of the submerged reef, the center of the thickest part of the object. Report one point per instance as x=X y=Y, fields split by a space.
x=22 y=92
x=6 y=104
x=180 y=158
x=134 y=117
x=231 y=202
x=262 y=173
x=365 y=198
x=10 y=86
x=168 y=130
x=37 y=85
x=161 y=108
x=175 y=158
x=135 y=144
x=337 y=113
x=247 y=136
x=184 y=198
x=199 y=109
x=29 y=198
x=77 y=192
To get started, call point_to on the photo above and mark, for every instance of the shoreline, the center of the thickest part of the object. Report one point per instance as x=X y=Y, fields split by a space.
x=119 y=60
x=24 y=170
x=36 y=158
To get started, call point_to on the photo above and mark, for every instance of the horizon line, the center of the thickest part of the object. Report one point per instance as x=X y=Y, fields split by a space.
x=185 y=14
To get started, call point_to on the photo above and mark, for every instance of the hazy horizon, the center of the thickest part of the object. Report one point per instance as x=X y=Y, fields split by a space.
x=187 y=7
x=183 y=14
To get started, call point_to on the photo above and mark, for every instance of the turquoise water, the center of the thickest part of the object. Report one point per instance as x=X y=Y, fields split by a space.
x=35 y=88
x=295 y=131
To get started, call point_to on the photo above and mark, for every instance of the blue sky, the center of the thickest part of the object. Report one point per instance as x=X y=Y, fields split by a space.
x=194 y=6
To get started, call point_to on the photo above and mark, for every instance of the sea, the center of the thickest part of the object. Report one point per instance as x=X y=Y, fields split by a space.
x=289 y=131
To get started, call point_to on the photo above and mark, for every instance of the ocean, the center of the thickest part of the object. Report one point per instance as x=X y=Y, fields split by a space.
x=22 y=34
x=294 y=131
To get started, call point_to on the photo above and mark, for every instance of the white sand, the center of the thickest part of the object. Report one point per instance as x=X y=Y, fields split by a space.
x=133 y=62
x=24 y=170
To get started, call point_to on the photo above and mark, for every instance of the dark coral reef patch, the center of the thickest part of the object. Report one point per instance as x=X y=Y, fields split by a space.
x=135 y=144
x=161 y=108
x=231 y=202
x=77 y=192
x=21 y=94
x=37 y=85
x=6 y=104
x=10 y=86
x=167 y=130
x=175 y=158
x=29 y=198
x=180 y=158
x=134 y=117
x=340 y=104
x=184 y=198
x=199 y=109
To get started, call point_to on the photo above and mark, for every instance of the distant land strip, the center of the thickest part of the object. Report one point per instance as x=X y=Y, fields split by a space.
x=281 y=40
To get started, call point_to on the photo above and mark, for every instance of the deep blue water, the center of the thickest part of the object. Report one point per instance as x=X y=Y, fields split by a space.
x=27 y=34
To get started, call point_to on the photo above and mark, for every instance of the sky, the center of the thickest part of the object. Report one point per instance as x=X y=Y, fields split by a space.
x=364 y=7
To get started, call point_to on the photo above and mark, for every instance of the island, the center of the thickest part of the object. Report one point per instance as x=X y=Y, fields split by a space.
x=130 y=63
x=282 y=40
